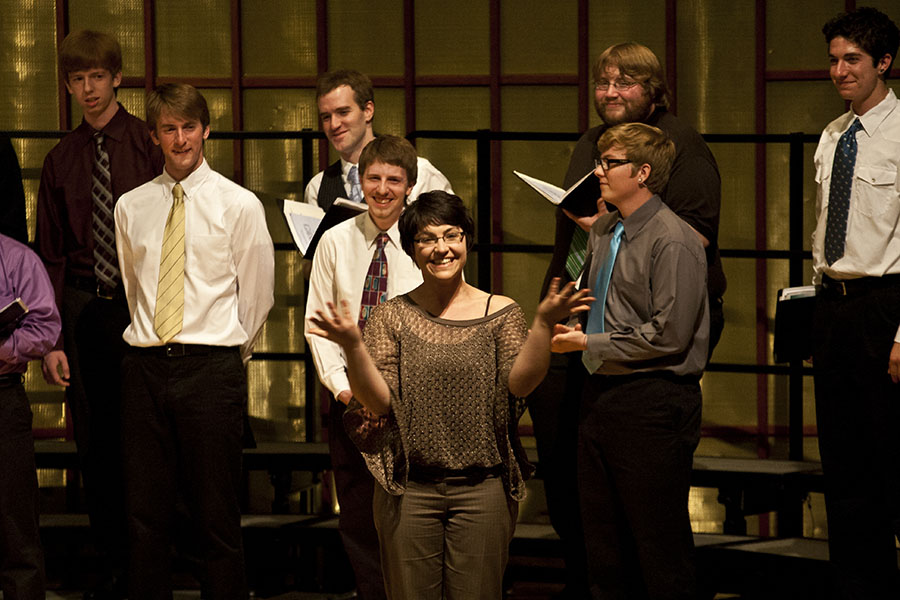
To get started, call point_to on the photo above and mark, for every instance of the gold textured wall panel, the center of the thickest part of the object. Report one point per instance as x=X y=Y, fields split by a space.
x=729 y=408
x=527 y=217
x=737 y=218
x=813 y=105
x=538 y=37
x=278 y=37
x=193 y=39
x=452 y=38
x=123 y=19
x=715 y=65
x=366 y=35
x=28 y=72
x=778 y=193
x=276 y=400
x=390 y=111
x=523 y=274
x=31 y=155
x=28 y=65
x=738 y=343
x=794 y=37
x=806 y=106
x=889 y=7
x=274 y=166
x=283 y=331
x=454 y=108
x=219 y=153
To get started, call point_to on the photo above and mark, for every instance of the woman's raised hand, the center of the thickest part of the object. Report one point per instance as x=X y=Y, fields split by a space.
x=560 y=304
x=340 y=328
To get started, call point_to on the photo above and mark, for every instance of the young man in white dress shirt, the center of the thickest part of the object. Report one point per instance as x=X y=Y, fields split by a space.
x=196 y=311
x=856 y=333
x=339 y=272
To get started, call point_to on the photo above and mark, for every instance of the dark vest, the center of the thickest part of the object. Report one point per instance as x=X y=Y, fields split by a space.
x=332 y=186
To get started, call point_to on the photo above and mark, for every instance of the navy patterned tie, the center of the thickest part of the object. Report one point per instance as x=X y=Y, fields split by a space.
x=106 y=264
x=839 y=193
x=597 y=316
x=375 y=287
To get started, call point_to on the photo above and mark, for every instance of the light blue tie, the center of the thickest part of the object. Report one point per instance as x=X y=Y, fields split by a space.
x=839 y=193
x=355 y=190
x=597 y=316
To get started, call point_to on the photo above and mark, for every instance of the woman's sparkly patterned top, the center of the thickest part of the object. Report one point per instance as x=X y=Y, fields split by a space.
x=450 y=403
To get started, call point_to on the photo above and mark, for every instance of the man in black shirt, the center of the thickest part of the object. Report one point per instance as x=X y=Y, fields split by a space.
x=629 y=86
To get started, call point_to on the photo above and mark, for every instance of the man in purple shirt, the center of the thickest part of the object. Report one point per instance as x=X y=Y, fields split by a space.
x=84 y=175
x=22 y=276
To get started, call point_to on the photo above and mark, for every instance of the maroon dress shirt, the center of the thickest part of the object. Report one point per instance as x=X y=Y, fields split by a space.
x=64 y=238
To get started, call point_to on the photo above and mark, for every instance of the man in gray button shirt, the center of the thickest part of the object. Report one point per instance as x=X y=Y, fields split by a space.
x=644 y=343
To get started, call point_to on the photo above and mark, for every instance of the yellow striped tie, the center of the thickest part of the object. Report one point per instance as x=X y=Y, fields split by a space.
x=170 y=293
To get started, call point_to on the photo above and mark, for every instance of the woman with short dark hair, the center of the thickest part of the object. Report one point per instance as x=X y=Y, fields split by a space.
x=438 y=390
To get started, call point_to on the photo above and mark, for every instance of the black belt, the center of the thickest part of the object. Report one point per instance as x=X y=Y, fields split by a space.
x=629 y=377
x=854 y=287
x=90 y=284
x=467 y=476
x=177 y=350
x=11 y=379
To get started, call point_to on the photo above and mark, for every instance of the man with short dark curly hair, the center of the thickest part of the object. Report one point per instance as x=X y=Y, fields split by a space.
x=856 y=331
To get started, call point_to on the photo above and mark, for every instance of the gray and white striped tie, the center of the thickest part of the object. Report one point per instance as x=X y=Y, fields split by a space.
x=106 y=264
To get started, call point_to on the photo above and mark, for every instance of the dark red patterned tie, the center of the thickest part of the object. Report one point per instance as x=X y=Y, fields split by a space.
x=375 y=287
x=106 y=263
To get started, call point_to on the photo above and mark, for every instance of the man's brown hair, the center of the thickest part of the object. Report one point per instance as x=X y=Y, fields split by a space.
x=391 y=150
x=356 y=81
x=86 y=49
x=639 y=63
x=642 y=144
x=178 y=99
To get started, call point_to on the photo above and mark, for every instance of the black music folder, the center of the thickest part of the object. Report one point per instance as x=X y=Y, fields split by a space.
x=794 y=323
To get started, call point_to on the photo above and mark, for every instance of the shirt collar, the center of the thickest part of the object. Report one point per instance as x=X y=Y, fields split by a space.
x=345 y=169
x=371 y=232
x=189 y=184
x=115 y=129
x=876 y=115
x=636 y=220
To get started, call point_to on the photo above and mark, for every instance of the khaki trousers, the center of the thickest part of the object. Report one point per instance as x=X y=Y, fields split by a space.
x=445 y=541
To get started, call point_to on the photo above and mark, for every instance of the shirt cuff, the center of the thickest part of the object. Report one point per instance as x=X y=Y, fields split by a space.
x=337 y=383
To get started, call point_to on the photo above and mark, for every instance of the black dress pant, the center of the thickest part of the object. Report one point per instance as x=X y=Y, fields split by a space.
x=858 y=417
x=554 y=409
x=636 y=442
x=182 y=421
x=92 y=329
x=21 y=559
x=355 y=491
